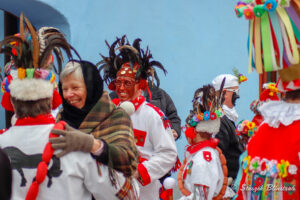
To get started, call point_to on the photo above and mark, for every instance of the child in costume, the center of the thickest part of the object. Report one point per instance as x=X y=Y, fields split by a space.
x=203 y=174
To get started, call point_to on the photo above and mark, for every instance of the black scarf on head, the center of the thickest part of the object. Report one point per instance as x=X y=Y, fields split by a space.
x=94 y=86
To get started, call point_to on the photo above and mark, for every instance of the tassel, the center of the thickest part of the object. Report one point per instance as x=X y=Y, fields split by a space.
x=6 y=103
x=190 y=132
x=21 y=73
x=41 y=172
x=33 y=191
x=29 y=72
x=42 y=168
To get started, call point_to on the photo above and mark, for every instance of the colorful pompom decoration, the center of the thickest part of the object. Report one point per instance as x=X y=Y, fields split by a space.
x=274 y=33
x=270 y=5
x=190 y=132
x=206 y=116
x=246 y=127
x=259 y=10
x=248 y=13
x=213 y=115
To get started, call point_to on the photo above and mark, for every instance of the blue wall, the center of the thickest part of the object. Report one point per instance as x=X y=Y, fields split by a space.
x=195 y=40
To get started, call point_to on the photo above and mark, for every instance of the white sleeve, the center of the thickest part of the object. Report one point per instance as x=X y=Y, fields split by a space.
x=164 y=147
x=97 y=181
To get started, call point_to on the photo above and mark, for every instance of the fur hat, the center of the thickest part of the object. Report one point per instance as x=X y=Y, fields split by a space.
x=30 y=89
x=209 y=126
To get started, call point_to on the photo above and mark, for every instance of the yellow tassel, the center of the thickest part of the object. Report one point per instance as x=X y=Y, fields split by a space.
x=21 y=73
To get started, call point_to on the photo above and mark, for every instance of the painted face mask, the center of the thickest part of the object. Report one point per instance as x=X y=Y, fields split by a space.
x=126 y=88
x=234 y=97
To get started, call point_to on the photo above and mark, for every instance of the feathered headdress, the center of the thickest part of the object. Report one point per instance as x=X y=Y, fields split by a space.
x=207 y=110
x=126 y=59
x=30 y=53
x=30 y=78
x=50 y=41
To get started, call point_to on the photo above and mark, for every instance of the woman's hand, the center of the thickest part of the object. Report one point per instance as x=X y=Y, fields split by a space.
x=72 y=140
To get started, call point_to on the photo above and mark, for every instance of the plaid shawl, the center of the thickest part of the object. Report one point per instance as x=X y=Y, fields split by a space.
x=113 y=125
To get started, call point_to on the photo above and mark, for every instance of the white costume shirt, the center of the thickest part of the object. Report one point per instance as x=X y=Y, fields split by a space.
x=156 y=144
x=203 y=168
x=75 y=176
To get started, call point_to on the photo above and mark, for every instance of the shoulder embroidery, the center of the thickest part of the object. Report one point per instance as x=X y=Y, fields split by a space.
x=207 y=156
x=164 y=119
x=188 y=169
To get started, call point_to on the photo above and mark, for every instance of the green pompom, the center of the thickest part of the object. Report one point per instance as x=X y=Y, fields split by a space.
x=259 y=10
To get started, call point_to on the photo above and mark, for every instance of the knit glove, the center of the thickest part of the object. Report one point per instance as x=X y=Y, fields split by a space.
x=72 y=140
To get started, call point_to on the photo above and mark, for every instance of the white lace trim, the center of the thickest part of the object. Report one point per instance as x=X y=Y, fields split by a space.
x=280 y=112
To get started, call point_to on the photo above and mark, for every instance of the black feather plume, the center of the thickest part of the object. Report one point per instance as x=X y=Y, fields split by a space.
x=121 y=52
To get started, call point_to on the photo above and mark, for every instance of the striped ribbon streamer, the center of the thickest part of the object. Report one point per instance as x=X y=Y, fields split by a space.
x=276 y=28
x=250 y=44
x=257 y=46
x=286 y=20
x=266 y=41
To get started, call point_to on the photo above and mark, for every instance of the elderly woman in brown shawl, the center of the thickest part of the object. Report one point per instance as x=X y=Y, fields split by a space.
x=95 y=124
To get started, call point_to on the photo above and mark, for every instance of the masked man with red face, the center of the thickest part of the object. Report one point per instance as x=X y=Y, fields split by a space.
x=126 y=72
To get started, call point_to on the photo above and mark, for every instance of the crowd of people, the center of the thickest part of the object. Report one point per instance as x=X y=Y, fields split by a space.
x=120 y=144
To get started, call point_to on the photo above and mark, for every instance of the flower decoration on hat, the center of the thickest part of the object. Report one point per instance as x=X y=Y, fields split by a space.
x=270 y=92
x=206 y=109
x=246 y=128
x=28 y=70
x=127 y=60
x=241 y=77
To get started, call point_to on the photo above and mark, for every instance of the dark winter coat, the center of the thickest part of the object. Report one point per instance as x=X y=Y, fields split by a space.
x=163 y=101
x=230 y=145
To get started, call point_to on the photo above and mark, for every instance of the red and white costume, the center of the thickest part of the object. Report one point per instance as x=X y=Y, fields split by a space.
x=156 y=145
x=203 y=170
x=271 y=169
x=74 y=176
